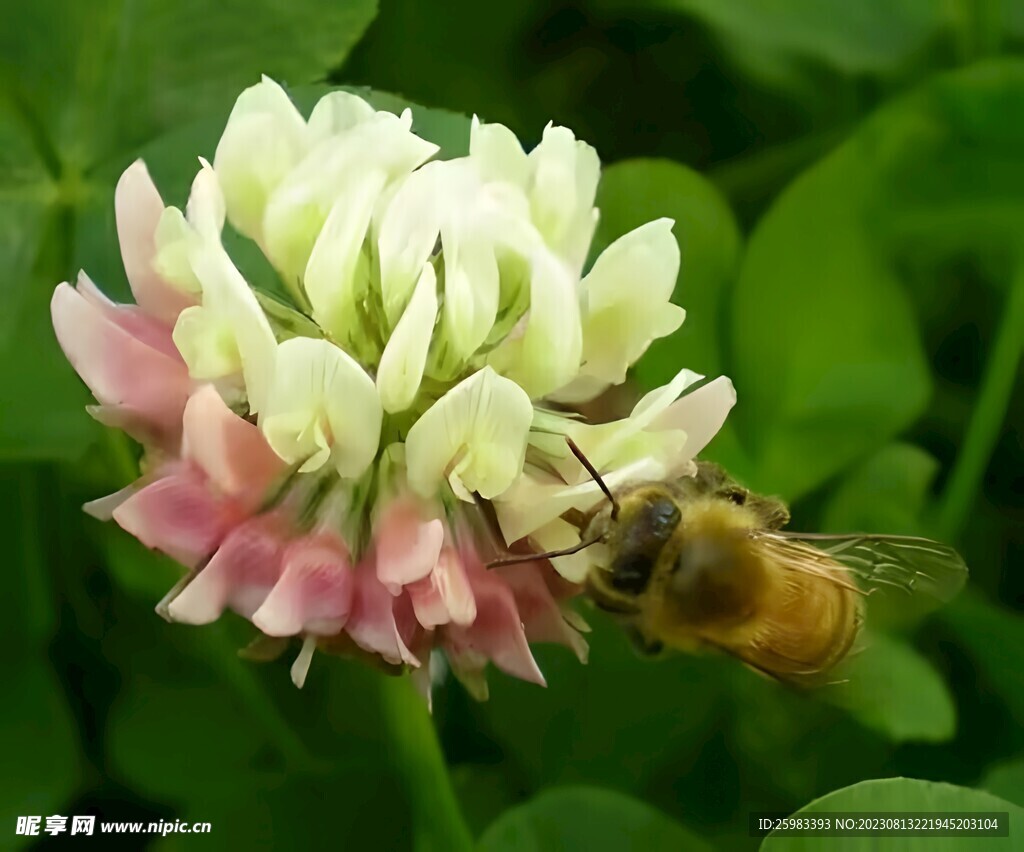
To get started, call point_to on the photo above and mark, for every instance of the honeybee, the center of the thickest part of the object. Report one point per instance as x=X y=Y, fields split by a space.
x=702 y=563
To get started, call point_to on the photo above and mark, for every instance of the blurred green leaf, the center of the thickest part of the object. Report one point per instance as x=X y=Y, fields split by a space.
x=890 y=688
x=827 y=356
x=1006 y=780
x=103 y=79
x=886 y=493
x=773 y=38
x=561 y=734
x=633 y=192
x=587 y=818
x=995 y=639
x=27 y=617
x=908 y=795
x=40 y=764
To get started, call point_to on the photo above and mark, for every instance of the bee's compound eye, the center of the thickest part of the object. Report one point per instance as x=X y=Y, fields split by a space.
x=631 y=573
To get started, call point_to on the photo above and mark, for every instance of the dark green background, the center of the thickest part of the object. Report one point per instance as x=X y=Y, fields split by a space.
x=848 y=185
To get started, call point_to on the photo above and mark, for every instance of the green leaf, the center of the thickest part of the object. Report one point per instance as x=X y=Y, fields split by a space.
x=673 y=705
x=27 y=617
x=773 y=40
x=827 y=356
x=103 y=79
x=40 y=766
x=908 y=795
x=1006 y=780
x=887 y=493
x=995 y=639
x=633 y=192
x=587 y=818
x=890 y=688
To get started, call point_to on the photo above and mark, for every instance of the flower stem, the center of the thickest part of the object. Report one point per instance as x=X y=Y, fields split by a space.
x=438 y=825
x=988 y=415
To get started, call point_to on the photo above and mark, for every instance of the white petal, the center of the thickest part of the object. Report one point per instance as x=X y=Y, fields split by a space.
x=611 y=445
x=547 y=356
x=299 y=206
x=322 y=405
x=561 y=535
x=173 y=238
x=205 y=210
x=401 y=366
x=337 y=112
x=470 y=288
x=207 y=343
x=264 y=139
x=228 y=297
x=566 y=172
x=498 y=154
x=700 y=413
x=627 y=295
x=531 y=503
x=475 y=435
x=335 y=279
x=410 y=226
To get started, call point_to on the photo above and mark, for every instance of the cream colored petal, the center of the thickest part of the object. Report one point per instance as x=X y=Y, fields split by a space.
x=565 y=176
x=409 y=228
x=610 y=445
x=337 y=112
x=322 y=405
x=561 y=535
x=205 y=210
x=207 y=343
x=626 y=296
x=498 y=154
x=471 y=288
x=299 y=206
x=531 y=504
x=700 y=414
x=547 y=356
x=264 y=139
x=475 y=435
x=405 y=355
x=228 y=297
x=335 y=278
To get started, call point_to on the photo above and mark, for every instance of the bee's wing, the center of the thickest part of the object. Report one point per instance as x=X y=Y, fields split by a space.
x=905 y=565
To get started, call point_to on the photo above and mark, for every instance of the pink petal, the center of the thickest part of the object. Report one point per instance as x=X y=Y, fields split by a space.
x=497 y=633
x=240 y=575
x=230 y=450
x=371 y=622
x=701 y=413
x=138 y=208
x=179 y=516
x=542 y=617
x=103 y=508
x=445 y=595
x=314 y=592
x=119 y=368
x=140 y=325
x=407 y=545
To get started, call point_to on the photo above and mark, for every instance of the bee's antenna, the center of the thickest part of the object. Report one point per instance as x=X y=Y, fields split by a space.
x=533 y=557
x=576 y=451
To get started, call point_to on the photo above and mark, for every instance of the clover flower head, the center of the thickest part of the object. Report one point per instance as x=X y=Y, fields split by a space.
x=325 y=458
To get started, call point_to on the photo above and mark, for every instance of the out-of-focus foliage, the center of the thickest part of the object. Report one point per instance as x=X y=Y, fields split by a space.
x=847 y=181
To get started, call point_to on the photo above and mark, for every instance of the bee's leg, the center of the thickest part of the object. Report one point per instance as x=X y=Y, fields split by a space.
x=644 y=645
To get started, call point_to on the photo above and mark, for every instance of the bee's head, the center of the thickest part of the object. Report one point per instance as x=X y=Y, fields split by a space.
x=635 y=542
x=716 y=573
